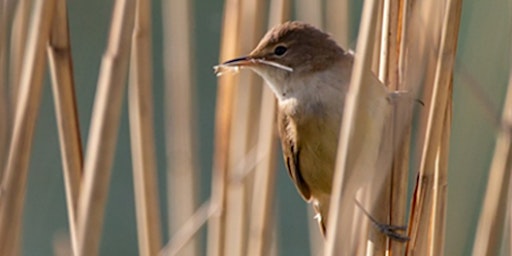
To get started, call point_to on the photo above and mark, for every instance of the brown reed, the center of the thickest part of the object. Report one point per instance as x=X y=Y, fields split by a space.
x=140 y=107
x=103 y=132
x=30 y=87
x=60 y=62
x=180 y=119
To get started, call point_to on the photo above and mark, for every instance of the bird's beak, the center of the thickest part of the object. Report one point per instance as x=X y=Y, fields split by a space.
x=234 y=65
x=240 y=62
x=247 y=61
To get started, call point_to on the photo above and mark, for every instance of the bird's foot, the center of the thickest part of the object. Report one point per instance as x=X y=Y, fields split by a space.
x=390 y=231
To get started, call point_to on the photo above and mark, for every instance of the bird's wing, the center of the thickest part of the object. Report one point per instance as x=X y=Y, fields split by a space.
x=291 y=153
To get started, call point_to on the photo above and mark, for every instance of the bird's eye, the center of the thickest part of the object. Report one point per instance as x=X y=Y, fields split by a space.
x=280 y=50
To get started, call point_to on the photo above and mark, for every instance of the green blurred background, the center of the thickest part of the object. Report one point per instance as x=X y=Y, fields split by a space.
x=483 y=61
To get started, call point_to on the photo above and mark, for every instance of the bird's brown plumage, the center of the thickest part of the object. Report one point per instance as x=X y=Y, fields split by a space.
x=310 y=81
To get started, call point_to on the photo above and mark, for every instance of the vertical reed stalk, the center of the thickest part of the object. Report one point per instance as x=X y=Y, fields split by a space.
x=262 y=225
x=141 y=132
x=19 y=33
x=493 y=216
x=428 y=209
x=243 y=137
x=103 y=132
x=180 y=115
x=27 y=106
x=224 y=112
x=61 y=67
x=339 y=240
x=6 y=10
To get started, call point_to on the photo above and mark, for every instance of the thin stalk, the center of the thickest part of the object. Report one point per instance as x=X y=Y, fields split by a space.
x=262 y=220
x=27 y=106
x=103 y=132
x=224 y=112
x=492 y=220
x=61 y=67
x=142 y=133
x=19 y=33
x=427 y=212
x=340 y=241
x=7 y=8
x=180 y=115
x=243 y=135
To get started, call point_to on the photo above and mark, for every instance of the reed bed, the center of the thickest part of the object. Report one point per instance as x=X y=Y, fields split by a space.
x=410 y=45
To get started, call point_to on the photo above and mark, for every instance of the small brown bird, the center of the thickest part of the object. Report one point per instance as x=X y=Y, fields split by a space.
x=309 y=74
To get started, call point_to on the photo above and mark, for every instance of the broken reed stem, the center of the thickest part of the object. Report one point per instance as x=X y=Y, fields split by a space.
x=140 y=107
x=339 y=240
x=223 y=115
x=103 y=132
x=180 y=118
x=428 y=209
x=493 y=217
x=16 y=170
x=61 y=67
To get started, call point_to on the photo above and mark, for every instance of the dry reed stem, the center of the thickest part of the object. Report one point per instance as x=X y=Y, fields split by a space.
x=337 y=21
x=103 y=132
x=373 y=240
x=180 y=117
x=19 y=33
x=16 y=170
x=402 y=120
x=244 y=133
x=493 y=216
x=391 y=204
x=428 y=209
x=261 y=218
x=61 y=67
x=141 y=132
x=6 y=11
x=224 y=112
x=339 y=240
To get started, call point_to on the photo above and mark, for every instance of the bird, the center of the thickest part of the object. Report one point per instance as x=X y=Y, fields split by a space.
x=309 y=74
